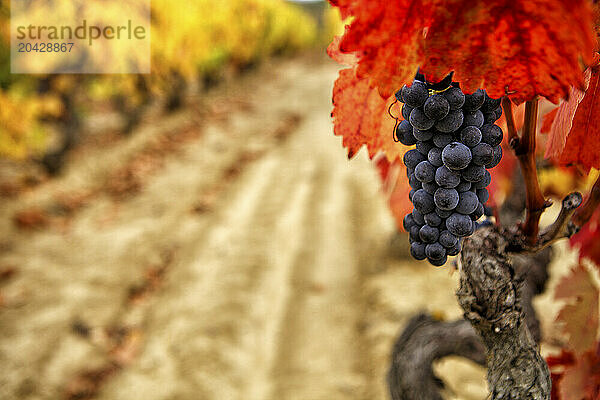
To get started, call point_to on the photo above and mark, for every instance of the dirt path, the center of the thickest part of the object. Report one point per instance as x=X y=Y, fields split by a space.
x=251 y=264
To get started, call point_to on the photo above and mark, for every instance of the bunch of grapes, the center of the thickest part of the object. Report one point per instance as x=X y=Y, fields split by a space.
x=456 y=143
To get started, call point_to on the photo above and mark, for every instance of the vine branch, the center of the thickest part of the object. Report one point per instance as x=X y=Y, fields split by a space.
x=585 y=212
x=524 y=148
x=513 y=136
x=571 y=218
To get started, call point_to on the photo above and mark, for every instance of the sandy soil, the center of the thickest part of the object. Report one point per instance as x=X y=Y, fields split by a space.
x=252 y=262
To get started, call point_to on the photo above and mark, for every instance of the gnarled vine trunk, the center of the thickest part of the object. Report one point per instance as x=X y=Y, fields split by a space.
x=490 y=296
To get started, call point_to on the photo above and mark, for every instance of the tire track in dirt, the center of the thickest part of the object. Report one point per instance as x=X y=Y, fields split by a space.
x=321 y=353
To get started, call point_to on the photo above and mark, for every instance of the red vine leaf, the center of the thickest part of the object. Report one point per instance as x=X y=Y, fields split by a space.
x=563 y=121
x=578 y=142
x=333 y=50
x=587 y=240
x=389 y=37
x=580 y=316
x=548 y=120
x=575 y=378
x=521 y=45
x=582 y=381
x=360 y=116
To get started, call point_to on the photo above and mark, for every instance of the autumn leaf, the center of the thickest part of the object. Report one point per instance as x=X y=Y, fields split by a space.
x=360 y=116
x=519 y=45
x=582 y=381
x=562 y=123
x=575 y=378
x=580 y=315
x=587 y=239
x=577 y=142
x=548 y=120
x=333 y=50
x=388 y=35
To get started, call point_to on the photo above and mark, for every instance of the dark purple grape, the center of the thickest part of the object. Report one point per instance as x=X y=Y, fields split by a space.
x=451 y=122
x=447 y=239
x=436 y=107
x=416 y=94
x=424 y=147
x=491 y=134
x=459 y=224
x=419 y=120
x=408 y=222
x=425 y=172
x=435 y=157
x=487 y=179
x=498 y=112
x=398 y=95
x=470 y=136
x=443 y=213
x=483 y=154
x=423 y=201
x=474 y=101
x=404 y=134
x=483 y=195
x=463 y=186
x=473 y=226
x=467 y=202
x=496 y=159
x=435 y=251
x=429 y=234
x=406 y=109
x=414 y=182
x=473 y=173
x=489 y=118
x=478 y=213
x=446 y=199
x=432 y=219
x=456 y=156
x=418 y=217
x=473 y=119
x=441 y=140
x=417 y=250
x=436 y=262
x=423 y=136
x=430 y=187
x=492 y=116
x=490 y=104
x=403 y=92
x=412 y=158
x=454 y=250
x=446 y=178
x=413 y=234
x=411 y=194
x=455 y=98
